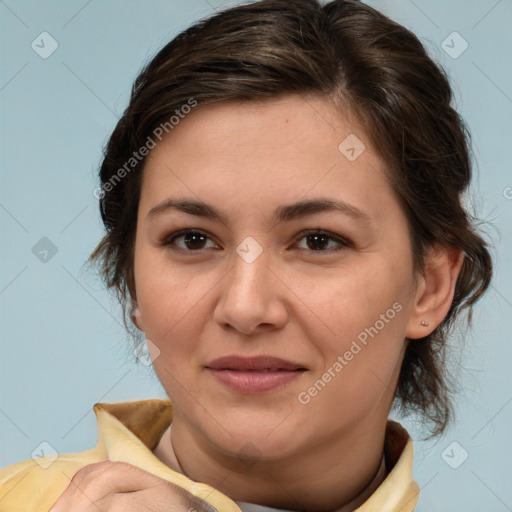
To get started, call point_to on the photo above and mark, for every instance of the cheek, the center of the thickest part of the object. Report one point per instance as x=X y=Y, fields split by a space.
x=167 y=296
x=364 y=314
x=351 y=299
x=359 y=372
x=174 y=306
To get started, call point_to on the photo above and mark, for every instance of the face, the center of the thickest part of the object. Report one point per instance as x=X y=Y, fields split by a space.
x=273 y=272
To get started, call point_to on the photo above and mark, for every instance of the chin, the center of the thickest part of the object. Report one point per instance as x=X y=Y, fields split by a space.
x=253 y=437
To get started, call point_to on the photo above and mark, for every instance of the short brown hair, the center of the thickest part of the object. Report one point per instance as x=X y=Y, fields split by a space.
x=343 y=51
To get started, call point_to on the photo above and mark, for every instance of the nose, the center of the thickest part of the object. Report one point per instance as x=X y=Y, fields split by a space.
x=252 y=297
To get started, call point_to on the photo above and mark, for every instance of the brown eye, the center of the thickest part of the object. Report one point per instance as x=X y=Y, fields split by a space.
x=190 y=240
x=317 y=242
x=321 y=241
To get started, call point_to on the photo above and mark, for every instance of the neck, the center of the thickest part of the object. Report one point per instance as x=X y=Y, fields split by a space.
x=325 y=476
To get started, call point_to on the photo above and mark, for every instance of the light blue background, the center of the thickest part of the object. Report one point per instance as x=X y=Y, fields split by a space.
x=63 y=346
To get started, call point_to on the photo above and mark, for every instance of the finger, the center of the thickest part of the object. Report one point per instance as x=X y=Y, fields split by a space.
x=114 y=476
x=173 y=499
x=95 y=482
x=105 y=485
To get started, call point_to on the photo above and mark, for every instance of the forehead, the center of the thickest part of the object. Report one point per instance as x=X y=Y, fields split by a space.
x=283 y=126
x=265 y=153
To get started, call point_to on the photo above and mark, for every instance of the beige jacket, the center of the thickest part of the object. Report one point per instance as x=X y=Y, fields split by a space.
x=129 y=432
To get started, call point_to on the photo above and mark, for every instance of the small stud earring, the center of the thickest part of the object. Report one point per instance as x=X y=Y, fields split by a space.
x=424 y=323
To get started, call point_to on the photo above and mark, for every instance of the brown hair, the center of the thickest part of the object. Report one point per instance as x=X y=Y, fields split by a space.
x=343 y=51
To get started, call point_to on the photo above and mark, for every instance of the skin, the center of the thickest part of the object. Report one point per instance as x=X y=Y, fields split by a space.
x=199 y=302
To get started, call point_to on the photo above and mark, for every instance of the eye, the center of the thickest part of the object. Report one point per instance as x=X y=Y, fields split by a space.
x=319 y=241
x=191 y=240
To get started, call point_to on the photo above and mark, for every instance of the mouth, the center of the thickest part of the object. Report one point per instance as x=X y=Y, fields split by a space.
x=251 y=375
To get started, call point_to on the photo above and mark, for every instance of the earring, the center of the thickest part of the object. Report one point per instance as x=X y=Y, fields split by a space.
x=133 y=309
x=424 y=323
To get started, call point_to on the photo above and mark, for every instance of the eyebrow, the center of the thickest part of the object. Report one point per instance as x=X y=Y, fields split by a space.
x=283 y=213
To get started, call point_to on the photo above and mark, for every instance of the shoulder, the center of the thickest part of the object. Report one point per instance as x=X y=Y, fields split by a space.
x=36 y=484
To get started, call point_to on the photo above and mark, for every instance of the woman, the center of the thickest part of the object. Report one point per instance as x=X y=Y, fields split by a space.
x=284 y=227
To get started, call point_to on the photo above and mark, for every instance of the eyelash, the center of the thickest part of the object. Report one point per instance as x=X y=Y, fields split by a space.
x=168 y=241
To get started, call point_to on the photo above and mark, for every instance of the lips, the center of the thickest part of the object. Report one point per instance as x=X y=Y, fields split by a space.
x=252 y=375
x=254 y=364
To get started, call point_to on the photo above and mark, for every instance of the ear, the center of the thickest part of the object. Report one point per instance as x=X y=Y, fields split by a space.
x=435 y=291
x=135 y=316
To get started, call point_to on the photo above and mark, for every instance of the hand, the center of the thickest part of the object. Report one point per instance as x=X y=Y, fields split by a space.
x=108 y=486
